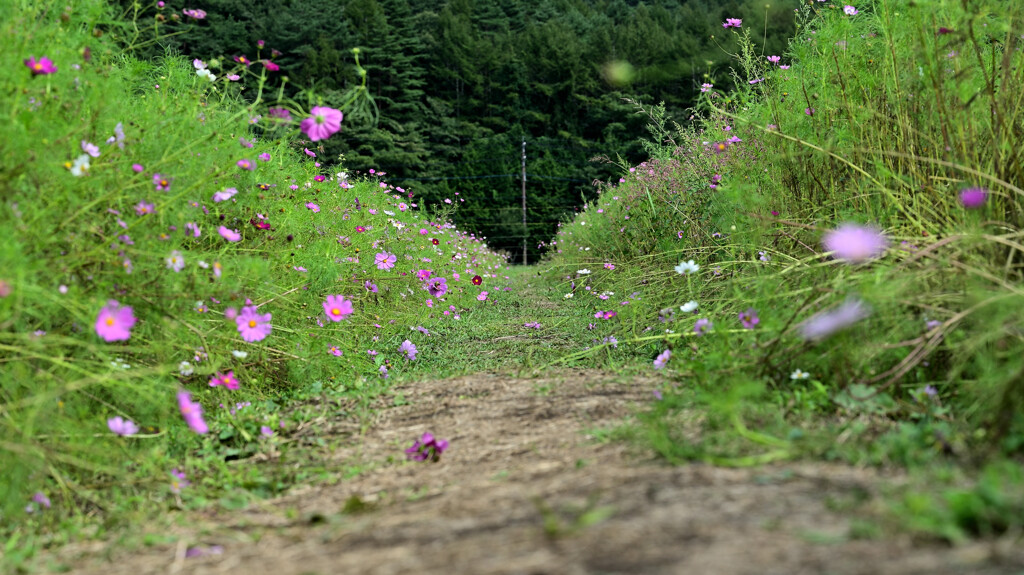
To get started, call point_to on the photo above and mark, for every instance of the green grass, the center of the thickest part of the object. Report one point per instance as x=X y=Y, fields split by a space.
x=905 y=115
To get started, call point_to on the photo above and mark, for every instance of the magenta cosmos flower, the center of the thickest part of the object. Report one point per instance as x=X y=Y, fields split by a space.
x=973 y=197
x=437 y=287
x=115 y=322
x=192 y=412
x=427 y=447
x=228 y=380
x=385 y=260
x=253 y=325
x=749 y=318
x=337 y=307
x=40 y=67
x=322 y=123
x=732 y=23
x=855 y=243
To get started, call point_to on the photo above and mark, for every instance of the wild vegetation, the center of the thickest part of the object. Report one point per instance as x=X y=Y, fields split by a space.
x=820 y=255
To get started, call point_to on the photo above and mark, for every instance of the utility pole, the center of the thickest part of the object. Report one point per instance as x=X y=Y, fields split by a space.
x=525 y=227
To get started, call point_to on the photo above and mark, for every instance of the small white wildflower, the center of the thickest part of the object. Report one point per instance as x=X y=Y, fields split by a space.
x=568 y=295
x=690 y=306
x=204 y=73
x=798 y=374
x=203 y=265
x=583 y=272
x=239 y=354
x=185 y=368
x=81 y=165
x=687 y=267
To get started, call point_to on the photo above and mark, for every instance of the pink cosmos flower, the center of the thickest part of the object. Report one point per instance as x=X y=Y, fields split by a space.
x=252 y=325
x=224 y=195
x=229 y=235
x=850 y=10
x=40 y=67
x=264 y=157
x=337 y=307
x=123 y=427
x=192 y=412
x=824 y=324
x=245 y=164
x=385 y=260
x=178 y=481
x=115 y=322
x=143 y=207
x=228 y=380
x=322 y=123
x=662 y=359
x=732 y=23
x=855 y=243
x=482 y=296
x=270 y=66
x=335 y=351
x=194 y=14
x=175 y=261
x=702 y=326
x=437 y=287
x=280 y=114
x=313 y=207
x=973 y=197
x=162 y=183
x=774 y=59
x=138 y=168
x=705 y=87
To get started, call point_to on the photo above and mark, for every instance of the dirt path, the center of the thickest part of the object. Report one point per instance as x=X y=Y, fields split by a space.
x=524 y=490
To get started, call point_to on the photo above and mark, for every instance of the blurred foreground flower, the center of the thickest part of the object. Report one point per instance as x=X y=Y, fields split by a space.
x=826 y=323
x=322 y=123
x=855 y=243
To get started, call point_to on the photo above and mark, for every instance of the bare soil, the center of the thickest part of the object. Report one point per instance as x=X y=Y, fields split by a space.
x=525 y=490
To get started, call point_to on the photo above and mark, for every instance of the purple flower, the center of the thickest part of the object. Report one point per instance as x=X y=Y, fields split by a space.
x=427 y=447
x=824 y=324
x=409 y=349
x=702 y=326
x=264 y=157
x=245 y=164
x=855 y=243
x=850 y=10
x=122 y=427
x=732 y=23
x=253 y=325
x=662 y=359
x=437 y=287
x=774 y=59
x=41 y=66
x=195 y=14
x=973 y=197
x=193 y=228
x=313 y=207
x=749 y=318
x=42 y=499
x=224 y=195
x=143 y=208
x=280 y=114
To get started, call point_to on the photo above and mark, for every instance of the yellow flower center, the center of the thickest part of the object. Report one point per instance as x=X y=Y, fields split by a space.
x=252 y=323
x=38 y=66
x=109 y=321
x=163 y=183
x=335 y=311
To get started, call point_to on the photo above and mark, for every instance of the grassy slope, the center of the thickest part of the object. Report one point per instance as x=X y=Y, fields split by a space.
x=877 y=121
x=61 y=382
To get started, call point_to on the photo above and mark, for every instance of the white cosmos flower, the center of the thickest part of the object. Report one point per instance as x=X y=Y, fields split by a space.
x=583 y=272
x=690 y=306
x=239 y=354
x=798 y=374
x=687 y=267
x=81 y=165
x=204 y=73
